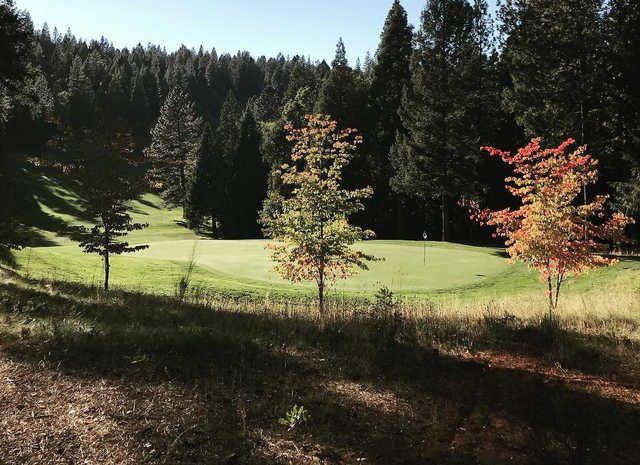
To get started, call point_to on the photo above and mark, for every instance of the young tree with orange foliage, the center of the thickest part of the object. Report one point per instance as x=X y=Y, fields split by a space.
x=551 y=231
x=312 y=227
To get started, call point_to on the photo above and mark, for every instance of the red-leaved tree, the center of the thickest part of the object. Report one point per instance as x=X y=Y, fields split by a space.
x=551 y=230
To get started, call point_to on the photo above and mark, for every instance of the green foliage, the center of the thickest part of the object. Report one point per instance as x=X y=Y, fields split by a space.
x=79 y=98
x=563 y=68
x=205 y=182
x=390 y=75
x=16 y=32
x=385 y=302
x=108 y=187
x=342 y=94
x=172 y=150
x=629 y=194
x=295 y=417
x=16 y=48
x=622 y=97
x=247 y=183
x=436 y=160
x=552 y=53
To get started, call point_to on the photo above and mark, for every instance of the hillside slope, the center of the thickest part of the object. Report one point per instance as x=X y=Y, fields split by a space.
x=51 y=208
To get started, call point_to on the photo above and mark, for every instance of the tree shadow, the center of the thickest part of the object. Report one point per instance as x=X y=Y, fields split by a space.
x=593 y=354
x=149 y=204
x=369 y=397
x=500 y=253
x=46 y=186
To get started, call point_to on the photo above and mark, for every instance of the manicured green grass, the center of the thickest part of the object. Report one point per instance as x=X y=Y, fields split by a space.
x=244 y=266
x=431 y=270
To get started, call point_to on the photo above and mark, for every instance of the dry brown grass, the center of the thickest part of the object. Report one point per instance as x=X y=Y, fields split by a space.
x=135 y=379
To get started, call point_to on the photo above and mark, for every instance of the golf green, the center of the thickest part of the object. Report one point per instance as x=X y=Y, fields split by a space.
x=404 y=265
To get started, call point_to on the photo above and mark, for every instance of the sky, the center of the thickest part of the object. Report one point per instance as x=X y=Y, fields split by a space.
x=303 y=27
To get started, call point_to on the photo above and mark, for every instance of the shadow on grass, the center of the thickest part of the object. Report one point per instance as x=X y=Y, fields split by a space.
x=500 y=253
x=602 y=355
x=374 y=390
x=149 y=204
x=45 y=186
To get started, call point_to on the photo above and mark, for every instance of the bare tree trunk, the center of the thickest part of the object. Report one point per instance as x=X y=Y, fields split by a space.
x=107 y=266
x=214 y=227
x=400 y=232
x=559 y=279
x=183 y=187
x=321 y=279
x=443 y=208
x=321 y=297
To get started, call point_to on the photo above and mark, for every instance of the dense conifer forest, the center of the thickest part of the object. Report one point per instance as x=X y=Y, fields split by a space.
x=207 y=128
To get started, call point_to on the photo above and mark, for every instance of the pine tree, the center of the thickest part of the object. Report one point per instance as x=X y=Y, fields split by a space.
x=139 y=113
x=301 y=75
x=552 y=53
x=174 y=139
x=16 y=34
x=226 y=146
x=622 y=97
x=118 y=94
x=249 y=180
x=96 y=70
x=436 y=160
x=341 y=96
x=206 y=188
x=248 y=79
x=368 y=67
x=266 y=106
x=389 y=76
x=80 y=96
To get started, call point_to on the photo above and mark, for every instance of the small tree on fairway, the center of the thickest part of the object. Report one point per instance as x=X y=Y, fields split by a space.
x=108 y=187
x=551 y=231
x=312 y=227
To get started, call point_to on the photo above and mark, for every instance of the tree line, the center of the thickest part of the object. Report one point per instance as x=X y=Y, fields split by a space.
x=208 y=129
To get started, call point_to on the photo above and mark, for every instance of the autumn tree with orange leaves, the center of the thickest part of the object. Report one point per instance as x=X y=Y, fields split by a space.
x=311 y=229
x=552 y=231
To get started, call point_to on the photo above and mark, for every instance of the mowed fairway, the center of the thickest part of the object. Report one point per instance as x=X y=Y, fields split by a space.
x=407 y=267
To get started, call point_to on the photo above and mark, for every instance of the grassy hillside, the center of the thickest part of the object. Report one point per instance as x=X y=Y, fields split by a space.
x=473 y=371
x=432 y=270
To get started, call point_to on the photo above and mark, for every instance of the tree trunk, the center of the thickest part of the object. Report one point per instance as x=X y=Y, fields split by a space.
x=400 y=230
x=183 y=188
x=445 y=217
x=107 y=266
x=559 y=280
x=321 y=297
x=321 y=278
x=214 y=227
